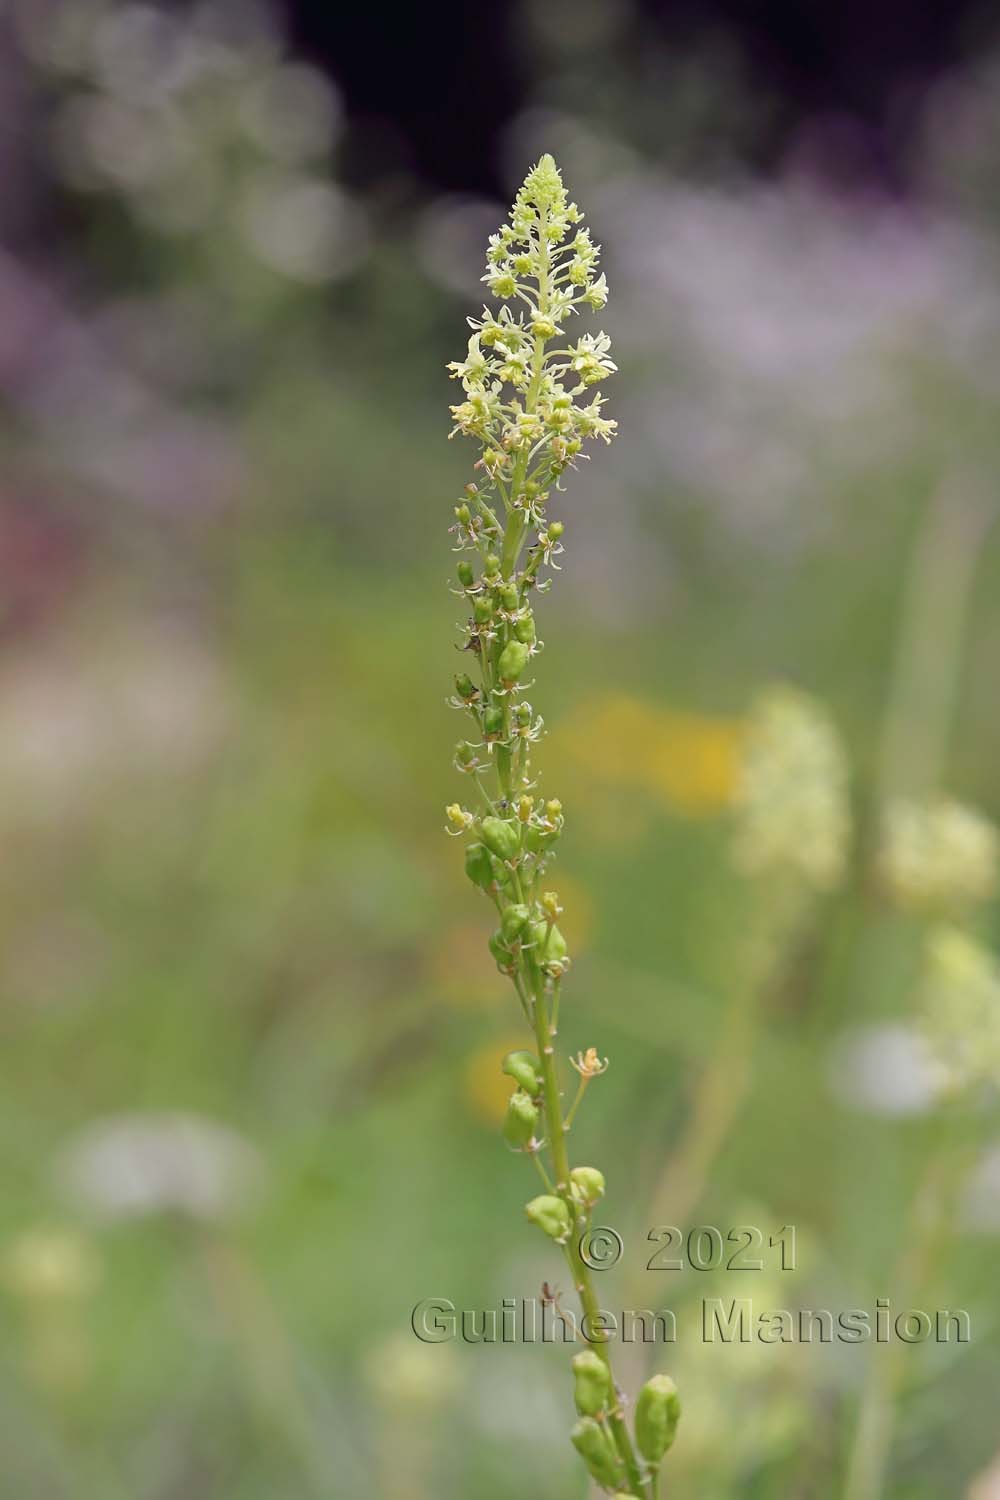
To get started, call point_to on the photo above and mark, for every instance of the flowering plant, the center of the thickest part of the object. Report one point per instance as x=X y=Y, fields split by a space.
x=529 y=403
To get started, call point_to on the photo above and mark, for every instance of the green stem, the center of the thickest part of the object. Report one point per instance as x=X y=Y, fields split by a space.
x=580 y=1090
x=581 y=1271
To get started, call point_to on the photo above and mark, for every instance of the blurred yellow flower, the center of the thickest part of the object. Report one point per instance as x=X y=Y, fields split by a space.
x=43 y=1265
x=485 y=1088
x=406 y=1375
x=688 y=761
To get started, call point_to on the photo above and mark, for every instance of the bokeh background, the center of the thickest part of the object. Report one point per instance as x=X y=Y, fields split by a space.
x=251 y=1034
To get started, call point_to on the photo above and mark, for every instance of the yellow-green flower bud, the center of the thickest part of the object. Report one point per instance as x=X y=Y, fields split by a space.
x=521 y=1121
x=524 y=1068
x=551 y=1215
x=594 y=1444
x=458 y=816
x=657 y=1412
x=556 y=529
x=543 y=328
x=513 y=921
x=479 y=866
x=592 y=1392
x=502 y=839
x=513 y=660
x=587 y=1185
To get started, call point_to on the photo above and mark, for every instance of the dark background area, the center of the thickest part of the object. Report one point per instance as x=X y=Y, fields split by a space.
x=449 y=77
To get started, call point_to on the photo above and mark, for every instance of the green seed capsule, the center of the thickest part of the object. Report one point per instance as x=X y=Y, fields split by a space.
x=493 y=720
x=592 y=1392
x=513 y=921
x=502 y=839
x=513 y=660
x=594 y=1445
x=482 y=610
x=465 y=574
x=551 y=1215
x=524 y=1068
x=521 y=1121
x=463 y=515
x=522 y=715
x=657 y=1412
x=509 y=597
x=587 y=1185
x=550 y=945
x=524 y=630
x=501 y=952
x=492 y=565
x=556 y=529
x=464 y=753
x=465 y=687
x=479 y=866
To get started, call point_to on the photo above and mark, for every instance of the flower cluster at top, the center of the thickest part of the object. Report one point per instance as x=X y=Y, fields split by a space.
x=524 y=384
x=522 y=376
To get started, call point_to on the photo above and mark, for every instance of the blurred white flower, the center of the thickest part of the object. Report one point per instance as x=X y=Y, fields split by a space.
x=959 y=1003
x=885 y=1068
x=133 y=47
x=292 y=112
x=791 y=807
x=128 y=1166
x=450 y=236
x=139 y=706
x=303 y=226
